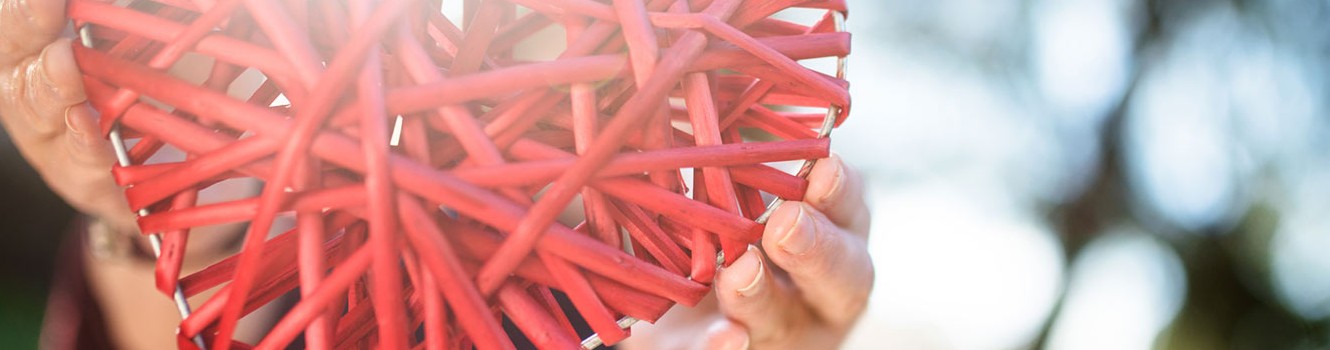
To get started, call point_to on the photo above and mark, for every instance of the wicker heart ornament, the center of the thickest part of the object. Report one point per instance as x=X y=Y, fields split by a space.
x=425 y=162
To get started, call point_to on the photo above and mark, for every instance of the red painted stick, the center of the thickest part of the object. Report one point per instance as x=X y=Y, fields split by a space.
x=488 y=145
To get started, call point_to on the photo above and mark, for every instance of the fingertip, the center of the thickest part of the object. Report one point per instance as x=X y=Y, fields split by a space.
x=62 y=71
x=791 y=229
x=745 y=277
x=806 y=244
x=830 y=265
x=724 y=334
x=827 y=180
x=748 y=293
x=781 y=219
x=837 y=191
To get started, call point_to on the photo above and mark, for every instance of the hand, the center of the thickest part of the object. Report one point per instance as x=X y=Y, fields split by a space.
x=804 y=289
x=44 y=110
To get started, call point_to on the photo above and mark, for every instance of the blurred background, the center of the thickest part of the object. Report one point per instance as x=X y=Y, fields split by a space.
x=1062 y=174
x=1094 y=174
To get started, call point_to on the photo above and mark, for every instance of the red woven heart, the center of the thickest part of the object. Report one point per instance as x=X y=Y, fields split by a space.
x=433 y=235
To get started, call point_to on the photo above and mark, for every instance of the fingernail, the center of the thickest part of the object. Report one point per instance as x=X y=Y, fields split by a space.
x=70 y=123
x=836 y=183
x=802 y=234
x=755 y=285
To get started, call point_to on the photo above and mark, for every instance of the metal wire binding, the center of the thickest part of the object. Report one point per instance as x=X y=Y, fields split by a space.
x=122 y=158
x=828 y=123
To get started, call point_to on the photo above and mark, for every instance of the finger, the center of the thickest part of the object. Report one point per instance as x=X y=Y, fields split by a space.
x=724 y=334
x=92 y=191
x=664 y=333
x=83 y=158
x=26 y=26
x=837 y=191
x=40 y=91
x=53 y=84
x=830 y=266
x=716 y=332
x=750 y=295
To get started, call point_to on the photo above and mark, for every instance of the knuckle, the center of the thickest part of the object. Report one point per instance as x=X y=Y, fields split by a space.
x=853 y=295
x=848 y=310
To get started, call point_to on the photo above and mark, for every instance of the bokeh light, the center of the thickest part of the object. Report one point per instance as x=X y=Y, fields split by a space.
x=1126 y=288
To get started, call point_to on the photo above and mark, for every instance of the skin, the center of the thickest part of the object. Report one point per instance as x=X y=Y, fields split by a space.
x=42 y=108
x=804 y=287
